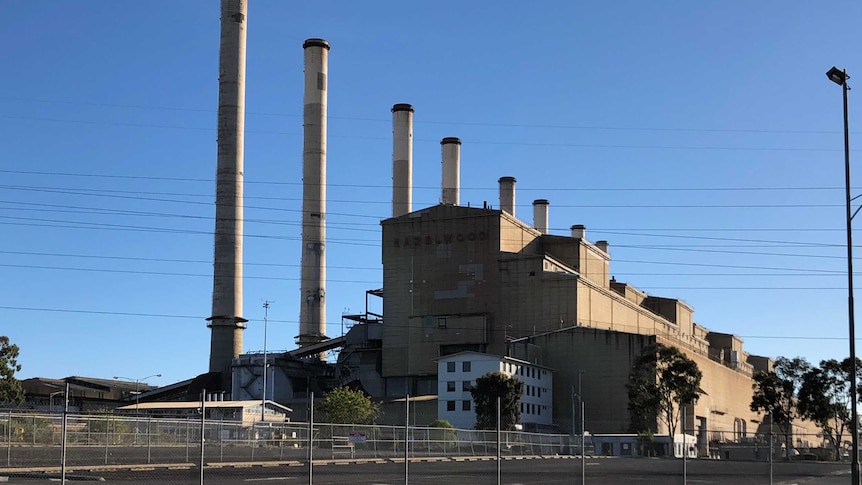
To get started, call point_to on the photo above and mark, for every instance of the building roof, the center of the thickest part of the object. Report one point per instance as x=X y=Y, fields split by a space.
x=197 y=404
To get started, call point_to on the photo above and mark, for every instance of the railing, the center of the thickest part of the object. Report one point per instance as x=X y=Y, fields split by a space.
x=34 y=439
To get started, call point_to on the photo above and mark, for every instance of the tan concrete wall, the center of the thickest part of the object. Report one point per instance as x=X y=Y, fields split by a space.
x=441 y=261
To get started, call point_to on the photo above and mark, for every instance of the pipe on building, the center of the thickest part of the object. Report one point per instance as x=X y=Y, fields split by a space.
x=312 y=314
x=603 y=245
x=451 y=148
x=579 y=231
x=226 y=322
x=507 y=194
x=540 y=215
x=402 y=159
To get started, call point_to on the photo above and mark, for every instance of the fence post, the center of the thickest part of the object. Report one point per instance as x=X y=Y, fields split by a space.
x=187 y=439
x=64 y=435
x=9 y=441
x=499 y=452
x=203 y=429
x=107 y=438
x=149 y=423
x=310 y=437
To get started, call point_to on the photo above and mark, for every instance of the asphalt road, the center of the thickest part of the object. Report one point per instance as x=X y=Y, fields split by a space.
x=610 y=471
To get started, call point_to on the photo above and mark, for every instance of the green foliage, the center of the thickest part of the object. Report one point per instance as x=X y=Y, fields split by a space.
x=343 y=405
x=647 y=445
x=30 y=428
x=11 y=391
x=775 y=393
x=662 y=379
x=824 y=398
x=485 y=393
x=442 y=434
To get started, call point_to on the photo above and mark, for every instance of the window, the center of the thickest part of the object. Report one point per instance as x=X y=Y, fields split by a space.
x=450 y=386
x=538 y=392
x=450 y=367
x=441 y=323
x=466 y=366
x=450 y=405
x=465 y=405
x=465 y=386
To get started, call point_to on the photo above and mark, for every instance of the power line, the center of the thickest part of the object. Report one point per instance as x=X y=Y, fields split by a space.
x=162 y=273
x=201 y=317
x=422 y=140
x=445 y=122
x=372 y=186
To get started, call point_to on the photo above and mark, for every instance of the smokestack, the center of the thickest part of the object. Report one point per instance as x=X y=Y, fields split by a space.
x=603 y=245
x=540 y=215
x=312 y=313
x=402 y=159
x=451 y=170
x=507 y=195
x=226 y=321
x=579 y=231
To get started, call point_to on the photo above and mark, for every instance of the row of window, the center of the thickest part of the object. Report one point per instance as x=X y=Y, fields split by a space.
x=465 y=405
x=451 y=385
x=534 y=391
x=520 y=370
x=527 y=408
x=465 y=366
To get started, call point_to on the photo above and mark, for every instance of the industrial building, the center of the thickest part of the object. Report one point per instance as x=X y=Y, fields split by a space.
x=455 y=279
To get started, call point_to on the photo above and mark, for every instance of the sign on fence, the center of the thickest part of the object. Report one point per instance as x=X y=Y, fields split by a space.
x=356 y=437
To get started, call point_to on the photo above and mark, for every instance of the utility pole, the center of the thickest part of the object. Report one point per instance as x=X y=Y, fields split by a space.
x=263 y=390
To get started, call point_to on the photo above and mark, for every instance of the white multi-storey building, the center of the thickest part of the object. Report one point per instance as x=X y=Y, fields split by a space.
x=457 y=373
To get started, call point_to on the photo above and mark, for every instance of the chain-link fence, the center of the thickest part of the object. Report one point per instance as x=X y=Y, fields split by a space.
x=173 y=449
x=35 y=440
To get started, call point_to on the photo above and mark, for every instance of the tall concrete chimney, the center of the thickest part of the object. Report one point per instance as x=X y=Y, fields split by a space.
x=579 y=231
x=507 y=195
x=312 y=313
x=540 y=215
x=451 y=170
x=226 y=321
x=402 y=159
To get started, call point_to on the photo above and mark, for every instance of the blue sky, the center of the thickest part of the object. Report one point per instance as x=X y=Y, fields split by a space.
x=701 y=139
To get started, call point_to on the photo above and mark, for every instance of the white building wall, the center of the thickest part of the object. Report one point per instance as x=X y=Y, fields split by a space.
x=456 y=373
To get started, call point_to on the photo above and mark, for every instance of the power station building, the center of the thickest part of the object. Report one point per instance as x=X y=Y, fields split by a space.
x=477 y=279
x=456 y=279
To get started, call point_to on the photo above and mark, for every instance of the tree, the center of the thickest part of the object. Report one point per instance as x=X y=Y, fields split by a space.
x=343 y=405
x=11 y=391
x=485 y=393
x=775 y=393
x=662 y=381
x=442 y=433
x=824 y=398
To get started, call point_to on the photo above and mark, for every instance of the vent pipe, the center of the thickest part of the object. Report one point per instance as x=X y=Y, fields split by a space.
x=226 y=322
x=507 y=195
x=540 y=215
x=312 y=313
x=579 y=231
x=402 y=159
x=603 y=245
x=451 y=148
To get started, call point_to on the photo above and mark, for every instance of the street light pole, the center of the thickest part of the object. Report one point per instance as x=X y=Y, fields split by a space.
x=137 y=395
x=263 y=390
x=840 y=77
x=583 y=452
